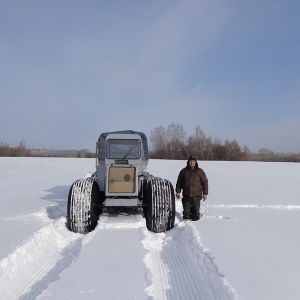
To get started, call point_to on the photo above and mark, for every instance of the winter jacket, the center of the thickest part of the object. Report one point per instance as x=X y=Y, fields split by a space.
x=193 y=182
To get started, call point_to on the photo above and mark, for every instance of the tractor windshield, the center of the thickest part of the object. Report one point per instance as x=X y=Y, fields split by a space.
x=123 y=149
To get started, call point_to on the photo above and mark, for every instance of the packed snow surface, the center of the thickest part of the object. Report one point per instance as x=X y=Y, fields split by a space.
x=245 y=246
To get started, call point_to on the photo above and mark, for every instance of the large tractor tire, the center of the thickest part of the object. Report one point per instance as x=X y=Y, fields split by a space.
x=160 y=209
x=83 y=205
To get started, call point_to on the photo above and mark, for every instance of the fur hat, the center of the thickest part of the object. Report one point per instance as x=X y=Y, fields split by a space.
x=192 y=157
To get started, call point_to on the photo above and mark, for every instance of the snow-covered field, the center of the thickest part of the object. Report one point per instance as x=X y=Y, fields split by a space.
x=246 y=246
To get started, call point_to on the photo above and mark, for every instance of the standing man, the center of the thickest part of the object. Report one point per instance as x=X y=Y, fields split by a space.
x=193 y=182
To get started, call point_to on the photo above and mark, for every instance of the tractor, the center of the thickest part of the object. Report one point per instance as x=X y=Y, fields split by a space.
x=120 y=182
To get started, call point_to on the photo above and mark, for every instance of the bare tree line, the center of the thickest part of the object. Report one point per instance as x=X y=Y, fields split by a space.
x=22 y=151
x=269 y=155
x=173 y=143
x=7 y=151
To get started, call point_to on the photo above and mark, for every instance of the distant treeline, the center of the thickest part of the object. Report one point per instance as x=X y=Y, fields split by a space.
x=171 y=143
x=21 y=150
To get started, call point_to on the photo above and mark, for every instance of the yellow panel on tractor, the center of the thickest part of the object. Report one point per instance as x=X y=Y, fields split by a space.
x=121 y=180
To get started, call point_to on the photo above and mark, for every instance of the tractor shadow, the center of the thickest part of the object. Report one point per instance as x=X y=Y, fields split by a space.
x=58 y=195
x=122 y=213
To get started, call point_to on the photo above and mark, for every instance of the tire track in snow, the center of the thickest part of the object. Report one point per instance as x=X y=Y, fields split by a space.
x=276 y=207
x=184 y=275
x=178 y=267
x=156 y=273
x=26 y=272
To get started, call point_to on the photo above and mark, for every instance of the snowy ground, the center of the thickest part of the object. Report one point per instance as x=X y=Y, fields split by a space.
x=246 y=246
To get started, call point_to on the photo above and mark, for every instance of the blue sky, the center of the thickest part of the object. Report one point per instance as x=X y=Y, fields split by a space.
x=73 y=69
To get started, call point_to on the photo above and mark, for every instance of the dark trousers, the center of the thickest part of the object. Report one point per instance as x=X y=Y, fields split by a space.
x=191 y=207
